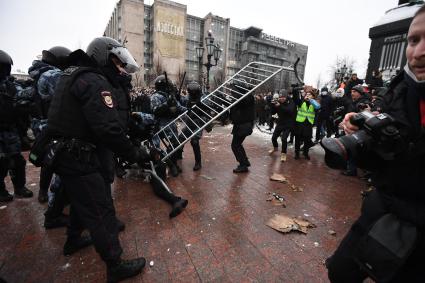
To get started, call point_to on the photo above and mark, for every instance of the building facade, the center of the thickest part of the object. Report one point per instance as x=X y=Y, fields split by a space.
x=389 y=40
x=163 y=37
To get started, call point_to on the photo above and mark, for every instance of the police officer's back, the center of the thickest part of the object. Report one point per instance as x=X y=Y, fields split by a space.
x=88 y=119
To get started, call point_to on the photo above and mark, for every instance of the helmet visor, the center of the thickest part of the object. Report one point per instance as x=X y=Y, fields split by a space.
x=129 y=64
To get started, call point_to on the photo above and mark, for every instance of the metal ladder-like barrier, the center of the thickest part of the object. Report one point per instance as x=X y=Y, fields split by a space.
x=175 y=134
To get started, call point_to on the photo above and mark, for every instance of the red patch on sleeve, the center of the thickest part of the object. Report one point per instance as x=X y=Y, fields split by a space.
x=422 y=107
x=107 y=99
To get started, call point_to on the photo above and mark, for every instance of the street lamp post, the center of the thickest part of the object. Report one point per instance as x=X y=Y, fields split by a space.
x=338 y=76
x=341 y=73
x=212 y=51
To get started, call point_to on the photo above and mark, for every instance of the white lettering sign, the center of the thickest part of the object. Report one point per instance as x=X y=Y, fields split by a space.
x=395 y=38
x=277 y=40
x=170 y=29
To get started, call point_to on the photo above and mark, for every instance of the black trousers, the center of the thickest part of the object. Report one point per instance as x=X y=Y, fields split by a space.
x=91 y=205
x=238 y=150
x=303 y=134
x=194 y=142
x=15 y=165
x=158 y=187
x=283 y=132
x=328 y=123
x=57 y=200
x=341 y=265
x=46 y=174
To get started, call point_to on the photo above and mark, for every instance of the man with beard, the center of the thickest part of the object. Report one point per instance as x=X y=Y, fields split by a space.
x=399 y=183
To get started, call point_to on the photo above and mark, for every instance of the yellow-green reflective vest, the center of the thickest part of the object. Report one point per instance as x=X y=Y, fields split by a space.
x=304 y=113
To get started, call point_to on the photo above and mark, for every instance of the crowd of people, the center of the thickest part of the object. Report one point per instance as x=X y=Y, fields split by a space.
x=88 y=121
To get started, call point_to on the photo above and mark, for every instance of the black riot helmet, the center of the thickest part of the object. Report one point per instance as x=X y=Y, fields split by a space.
x=102 y=48
x=56 y=56
x=161 y=83
x=6 y=63
x=194 y=90
x=5 y=58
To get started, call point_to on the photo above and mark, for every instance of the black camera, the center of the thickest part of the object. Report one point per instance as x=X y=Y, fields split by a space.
x=338 y=115
x=377 y=137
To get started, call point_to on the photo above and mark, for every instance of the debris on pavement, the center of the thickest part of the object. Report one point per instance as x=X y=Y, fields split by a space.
x=278 y=177
x=207 y=177
x=151 y=263
x=65 y=267
x=332 y=232
x=3 y=207
x=282 y=179
x=296 y=189
x=286 y=224
x=276 y=199
x=316 y=244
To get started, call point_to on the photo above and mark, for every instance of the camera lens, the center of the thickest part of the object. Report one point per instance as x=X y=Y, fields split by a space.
x=338 y=151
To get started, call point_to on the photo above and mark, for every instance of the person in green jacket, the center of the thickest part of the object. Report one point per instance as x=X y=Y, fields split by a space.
x=306 y=113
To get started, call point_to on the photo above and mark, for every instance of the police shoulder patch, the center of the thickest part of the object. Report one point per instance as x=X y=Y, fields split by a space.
x=107 y=98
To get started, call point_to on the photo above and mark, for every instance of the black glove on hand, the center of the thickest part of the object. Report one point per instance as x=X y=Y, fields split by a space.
x=142 y=155
x=171 y=101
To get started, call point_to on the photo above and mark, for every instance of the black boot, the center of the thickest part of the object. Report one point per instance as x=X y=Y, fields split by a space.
x=240 y=169
x=172 y=168
x=120 y=225
x=197 y=166
x=178 y=207
x=4 y=195
x=197 y=153
x=120 y=172
x=50 y=222
x=179 y=169
x=306 y=156
x=74 y=245
x=297 y=155
x=23 y=192
x=123 y=269
x=42 y=196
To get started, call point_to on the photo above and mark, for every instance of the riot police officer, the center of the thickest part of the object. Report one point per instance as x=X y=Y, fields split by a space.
x=11 y=159
x=87 y=124
x=166 y=107
x=141 y=128
x=46 y=74
x=197 y=117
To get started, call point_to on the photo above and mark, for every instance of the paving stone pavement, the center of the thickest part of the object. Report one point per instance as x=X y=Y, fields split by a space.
x=220 y=237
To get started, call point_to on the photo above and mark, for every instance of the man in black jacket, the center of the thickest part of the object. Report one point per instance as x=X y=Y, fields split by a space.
x=242 y=116
x=359 y=102
x=88 y=120
x=286 y=111
x=353 y=81
x=400 y=183
x=324 y=114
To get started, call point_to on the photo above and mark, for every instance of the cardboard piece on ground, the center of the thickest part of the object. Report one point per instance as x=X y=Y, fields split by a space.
x=286 y=224
x=278 y=177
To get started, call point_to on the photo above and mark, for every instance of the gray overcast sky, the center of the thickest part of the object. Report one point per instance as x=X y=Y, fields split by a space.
x=330 y=28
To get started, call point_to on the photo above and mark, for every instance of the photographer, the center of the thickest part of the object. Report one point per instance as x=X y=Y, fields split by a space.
x=359 y=102
x=324 y=114
x=400 y=185
x=285 y=109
